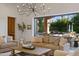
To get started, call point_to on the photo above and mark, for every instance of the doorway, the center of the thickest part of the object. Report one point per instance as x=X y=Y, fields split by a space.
x=11 y=27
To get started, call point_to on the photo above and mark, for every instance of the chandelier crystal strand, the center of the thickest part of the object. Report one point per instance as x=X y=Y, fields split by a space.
x=29 y=8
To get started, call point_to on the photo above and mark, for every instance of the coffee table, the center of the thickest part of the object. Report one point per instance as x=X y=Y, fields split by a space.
x=38 y=51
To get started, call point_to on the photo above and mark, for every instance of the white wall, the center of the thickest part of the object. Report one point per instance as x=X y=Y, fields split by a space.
x=27 y=21
x=10 y=10
x=5 y=11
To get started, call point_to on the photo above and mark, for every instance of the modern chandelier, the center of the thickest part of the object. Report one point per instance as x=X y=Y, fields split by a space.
x=29 y=8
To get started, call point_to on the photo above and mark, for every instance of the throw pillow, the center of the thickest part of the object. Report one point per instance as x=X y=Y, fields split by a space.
x=33 y=40
x=46 y=39
x=54 y=40
x=62 y=41
x=9 y=39
x=37 y=40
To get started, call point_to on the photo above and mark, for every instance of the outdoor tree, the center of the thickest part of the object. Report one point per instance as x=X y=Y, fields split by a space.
x=61 y=25
x=75 y=21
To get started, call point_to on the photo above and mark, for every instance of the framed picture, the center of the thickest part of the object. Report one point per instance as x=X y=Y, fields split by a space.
x=29 y=27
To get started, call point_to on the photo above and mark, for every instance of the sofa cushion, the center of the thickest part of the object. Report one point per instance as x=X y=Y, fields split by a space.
x=7 y=45
x=52 y=46
x=45 y=45
x=37 y=40
x=39 y=44
x=54 y=40
x=46 y=39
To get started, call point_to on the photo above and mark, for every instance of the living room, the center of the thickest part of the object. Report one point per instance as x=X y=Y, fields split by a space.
x=28 y=33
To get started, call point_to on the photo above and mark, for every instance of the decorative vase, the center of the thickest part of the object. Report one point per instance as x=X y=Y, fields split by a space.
x=75 y=43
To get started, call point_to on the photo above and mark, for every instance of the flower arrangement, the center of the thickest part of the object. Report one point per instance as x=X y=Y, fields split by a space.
x=22 y=26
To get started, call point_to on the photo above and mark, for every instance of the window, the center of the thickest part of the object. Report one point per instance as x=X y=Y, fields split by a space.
x=57 y=24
